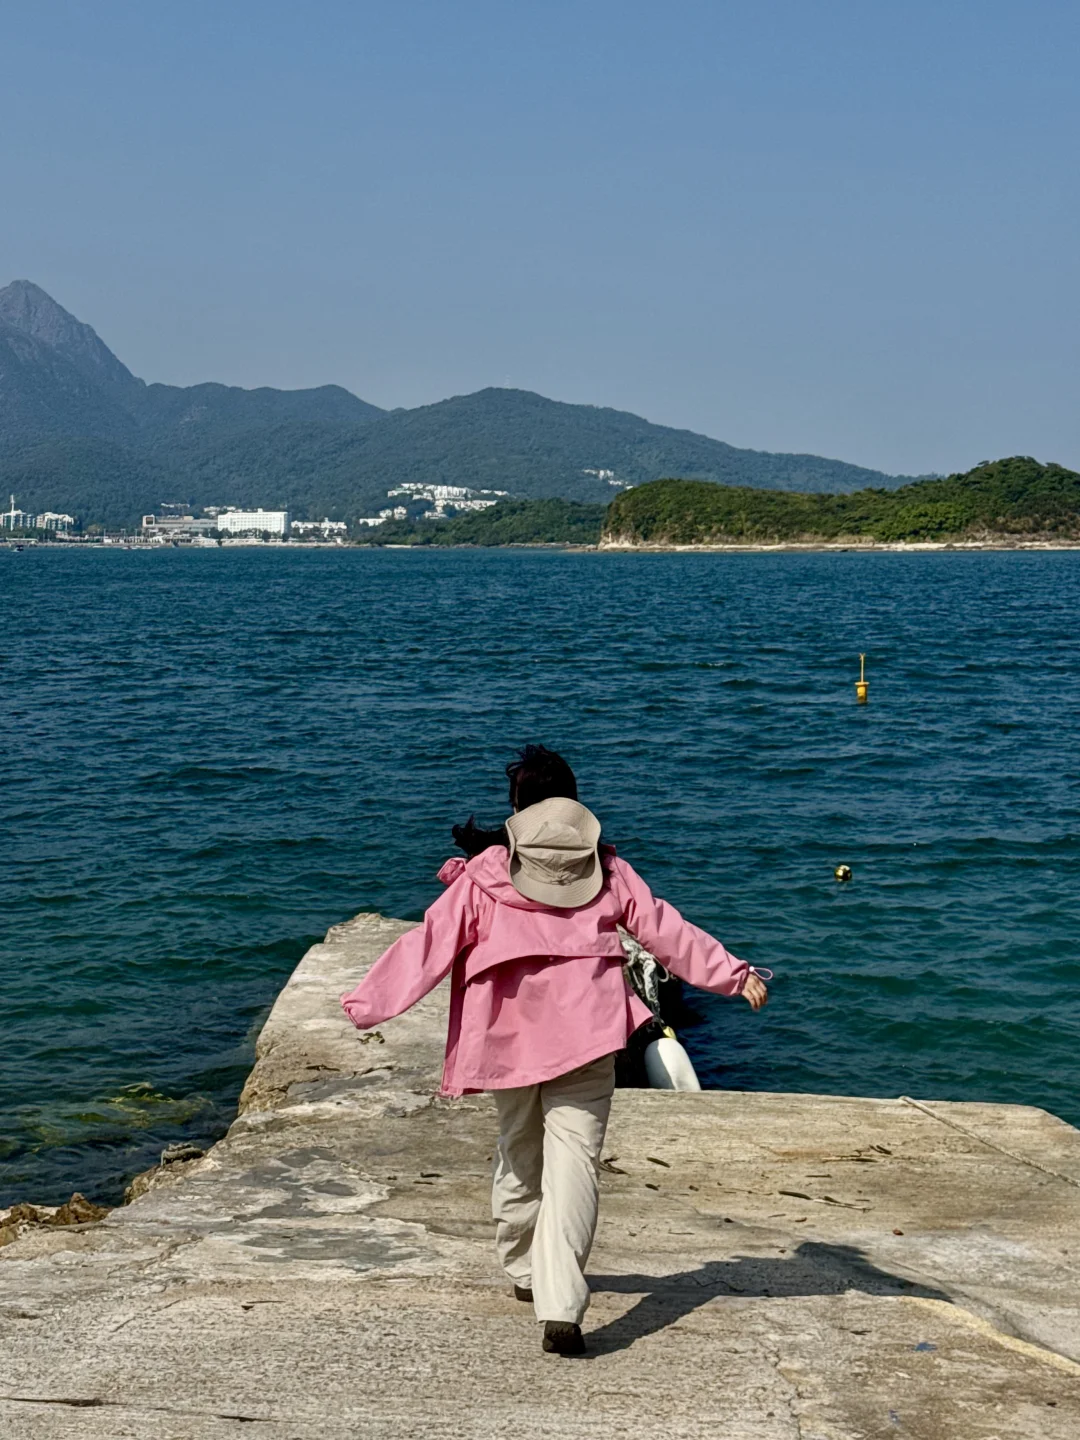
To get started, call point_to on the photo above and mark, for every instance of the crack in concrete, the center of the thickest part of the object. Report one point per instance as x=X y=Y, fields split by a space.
x=141 y=1313
x=990 y=1144
x=790 y=1392
x=97 y=1402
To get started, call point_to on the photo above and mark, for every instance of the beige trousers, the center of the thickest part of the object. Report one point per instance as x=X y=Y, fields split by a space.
x=546 y=1189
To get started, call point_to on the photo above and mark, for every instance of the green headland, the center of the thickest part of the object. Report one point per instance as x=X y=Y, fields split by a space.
x=1003 y=501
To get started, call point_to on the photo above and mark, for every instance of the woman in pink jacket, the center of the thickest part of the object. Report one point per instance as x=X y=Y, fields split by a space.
x=527 y=929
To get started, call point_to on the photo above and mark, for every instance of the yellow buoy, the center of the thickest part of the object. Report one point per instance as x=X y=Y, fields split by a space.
x=862 y=687
x=842 y=873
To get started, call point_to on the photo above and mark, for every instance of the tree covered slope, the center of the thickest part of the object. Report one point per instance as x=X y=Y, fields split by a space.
x=1017 y=497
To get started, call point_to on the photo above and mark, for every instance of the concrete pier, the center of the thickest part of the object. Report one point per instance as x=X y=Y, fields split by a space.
x=796 y=1266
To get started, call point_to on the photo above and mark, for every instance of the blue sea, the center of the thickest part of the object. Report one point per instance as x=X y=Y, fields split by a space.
x=211 y=756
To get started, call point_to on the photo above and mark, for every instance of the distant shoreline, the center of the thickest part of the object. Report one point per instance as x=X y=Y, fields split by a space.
x=754 y=548
x=854 y=547
x=897 y=547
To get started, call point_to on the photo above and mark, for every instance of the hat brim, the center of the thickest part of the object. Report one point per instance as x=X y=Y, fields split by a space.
x=560 y=897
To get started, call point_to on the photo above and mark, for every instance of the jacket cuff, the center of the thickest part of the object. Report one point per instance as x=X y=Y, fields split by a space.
x=347 y=1004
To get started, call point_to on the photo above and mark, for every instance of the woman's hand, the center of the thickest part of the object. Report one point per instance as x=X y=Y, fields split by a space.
x=754 y=992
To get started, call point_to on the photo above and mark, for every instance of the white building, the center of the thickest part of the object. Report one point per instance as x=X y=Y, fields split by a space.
x=453 y=493
x=444 y=500
x=247 y=522
x=319 y=527
x=50 y=520
x=15 y=519
x=175 y=527
x=459 y=506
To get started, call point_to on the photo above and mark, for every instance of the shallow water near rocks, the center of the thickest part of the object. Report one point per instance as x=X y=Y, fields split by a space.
x=212 y=756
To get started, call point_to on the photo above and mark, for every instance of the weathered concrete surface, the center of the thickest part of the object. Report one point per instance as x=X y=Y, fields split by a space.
x=767 y=1266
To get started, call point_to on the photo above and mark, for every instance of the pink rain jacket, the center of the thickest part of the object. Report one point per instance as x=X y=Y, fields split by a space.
x=535 y=991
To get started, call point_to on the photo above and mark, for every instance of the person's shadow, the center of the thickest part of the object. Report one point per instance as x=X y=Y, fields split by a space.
x=814 y=1268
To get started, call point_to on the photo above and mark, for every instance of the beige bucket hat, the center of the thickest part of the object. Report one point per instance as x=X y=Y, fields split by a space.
x=554 y=855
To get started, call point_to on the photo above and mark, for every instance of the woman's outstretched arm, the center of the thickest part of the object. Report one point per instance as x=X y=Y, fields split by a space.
x=417 y=962
x=688 y=952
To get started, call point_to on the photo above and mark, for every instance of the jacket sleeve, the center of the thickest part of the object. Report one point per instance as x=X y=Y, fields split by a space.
x=417 y=962
x=688 y=952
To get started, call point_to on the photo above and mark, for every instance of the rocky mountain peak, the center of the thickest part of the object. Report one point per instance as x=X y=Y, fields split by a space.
x=32 y=311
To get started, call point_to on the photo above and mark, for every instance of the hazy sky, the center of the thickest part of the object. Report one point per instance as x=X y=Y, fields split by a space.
x=846 y=228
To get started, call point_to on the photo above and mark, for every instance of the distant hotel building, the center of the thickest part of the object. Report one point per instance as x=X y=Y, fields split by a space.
x=258 y=522
x=225 y=522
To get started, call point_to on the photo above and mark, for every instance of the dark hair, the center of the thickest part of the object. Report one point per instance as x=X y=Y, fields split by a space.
x=537 y=774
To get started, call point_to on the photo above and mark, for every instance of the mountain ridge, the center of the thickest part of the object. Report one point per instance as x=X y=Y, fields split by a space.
x=65 y=399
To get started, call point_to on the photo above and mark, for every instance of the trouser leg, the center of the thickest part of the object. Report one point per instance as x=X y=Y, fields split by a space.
x=575 y=1109
x=516 y=1188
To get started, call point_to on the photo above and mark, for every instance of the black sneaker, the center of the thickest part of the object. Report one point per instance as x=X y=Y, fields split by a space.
x=562 y=1338
x=522 y=1292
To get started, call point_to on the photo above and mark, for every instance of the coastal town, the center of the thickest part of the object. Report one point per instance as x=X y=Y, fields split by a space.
x=177 y=524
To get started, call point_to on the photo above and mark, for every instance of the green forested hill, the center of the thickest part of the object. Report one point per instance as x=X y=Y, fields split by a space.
x=518 y=441
x=508 y=440
x=63 y=474
x=1016 y=497
x=79 y=432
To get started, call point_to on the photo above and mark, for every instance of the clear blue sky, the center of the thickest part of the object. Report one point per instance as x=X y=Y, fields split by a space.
x=847 y=227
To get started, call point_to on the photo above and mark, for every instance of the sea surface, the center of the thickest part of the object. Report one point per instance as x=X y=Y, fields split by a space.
x=212 y=756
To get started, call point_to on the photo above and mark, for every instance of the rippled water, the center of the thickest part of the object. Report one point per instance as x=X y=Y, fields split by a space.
x=212 y=756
